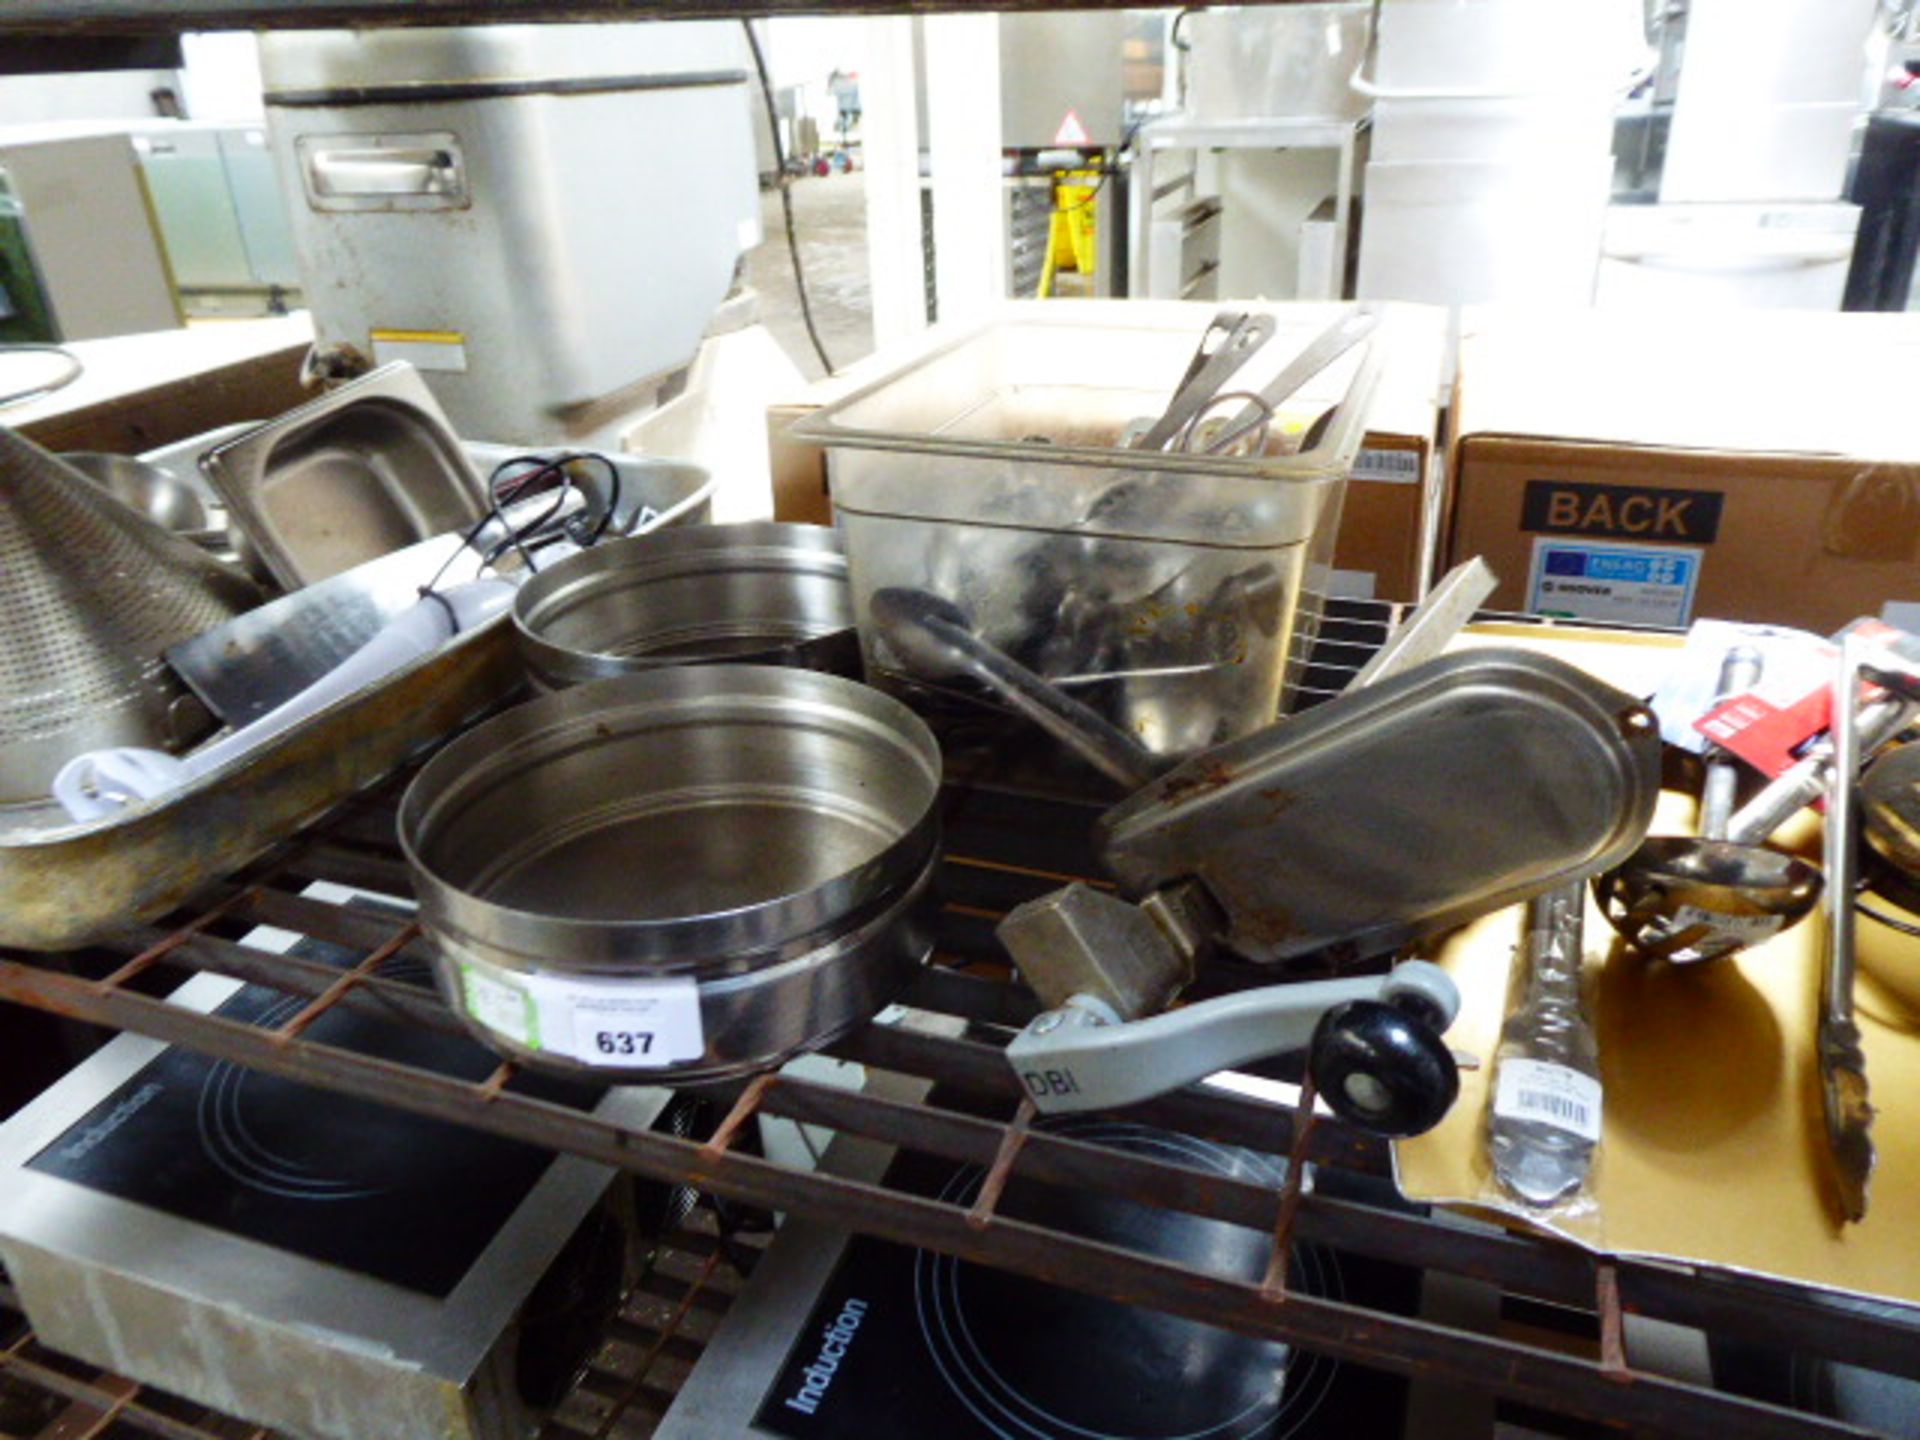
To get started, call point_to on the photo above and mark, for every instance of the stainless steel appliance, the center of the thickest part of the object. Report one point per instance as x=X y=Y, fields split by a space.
x=333 y=1269
x=844 y=1337
x=84 y=206
x=542 y=219
x=216 y=203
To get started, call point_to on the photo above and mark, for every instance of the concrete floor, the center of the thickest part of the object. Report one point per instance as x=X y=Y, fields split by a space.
x=830 y=219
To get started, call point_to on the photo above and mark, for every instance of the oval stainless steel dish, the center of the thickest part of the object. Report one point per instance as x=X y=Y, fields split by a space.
x=679 y=876
x=762 y=593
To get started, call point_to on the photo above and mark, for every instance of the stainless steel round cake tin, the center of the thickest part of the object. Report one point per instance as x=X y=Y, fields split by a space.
x=765 y=593
x=766 y=833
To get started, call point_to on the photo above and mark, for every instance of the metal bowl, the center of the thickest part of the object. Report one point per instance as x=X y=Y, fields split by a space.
x=158 y=494
x=761 y=593
x=746 y=845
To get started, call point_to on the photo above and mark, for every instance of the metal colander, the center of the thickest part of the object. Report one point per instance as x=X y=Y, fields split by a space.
x=91 y=593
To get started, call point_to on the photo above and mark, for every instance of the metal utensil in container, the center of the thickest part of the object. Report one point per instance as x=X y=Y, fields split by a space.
x=679 y=876
x=1178 y=590
x=762 y=593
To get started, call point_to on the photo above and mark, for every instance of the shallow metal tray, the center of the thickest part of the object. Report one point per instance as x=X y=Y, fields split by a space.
x=63 y=885
x=354 y=475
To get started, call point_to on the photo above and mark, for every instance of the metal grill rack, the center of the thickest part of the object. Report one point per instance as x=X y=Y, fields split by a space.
x=1002 y=847
x=662 y=1329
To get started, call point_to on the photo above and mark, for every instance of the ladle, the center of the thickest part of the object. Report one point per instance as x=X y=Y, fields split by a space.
x=1687 y=899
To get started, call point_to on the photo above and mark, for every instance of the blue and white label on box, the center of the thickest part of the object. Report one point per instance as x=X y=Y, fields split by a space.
x=1614 y=583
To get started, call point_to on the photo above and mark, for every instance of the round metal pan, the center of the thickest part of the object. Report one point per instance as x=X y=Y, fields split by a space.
x=761 y=593
x=767 y=833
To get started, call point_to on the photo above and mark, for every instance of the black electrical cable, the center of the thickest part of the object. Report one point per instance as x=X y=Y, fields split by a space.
x=786 y=196
x=503 y=489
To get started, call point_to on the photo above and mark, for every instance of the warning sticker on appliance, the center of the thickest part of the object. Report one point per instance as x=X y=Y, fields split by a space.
x=444 y=350
x=625 y=1024
x=1072 y=131
x=1613 y=583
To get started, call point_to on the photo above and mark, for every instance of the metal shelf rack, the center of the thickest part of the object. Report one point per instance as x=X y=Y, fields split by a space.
x=1003 y=847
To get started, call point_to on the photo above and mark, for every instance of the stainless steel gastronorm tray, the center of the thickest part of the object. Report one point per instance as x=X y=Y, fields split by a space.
x=64 y=884
x=354 y=475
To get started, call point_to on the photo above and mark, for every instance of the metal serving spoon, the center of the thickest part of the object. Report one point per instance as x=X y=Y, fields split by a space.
x=1689 y=899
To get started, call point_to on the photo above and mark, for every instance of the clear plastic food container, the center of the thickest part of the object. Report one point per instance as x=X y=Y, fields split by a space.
x=1177 y=593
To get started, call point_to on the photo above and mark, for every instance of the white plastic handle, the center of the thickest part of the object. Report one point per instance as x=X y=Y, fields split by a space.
x=105 y=782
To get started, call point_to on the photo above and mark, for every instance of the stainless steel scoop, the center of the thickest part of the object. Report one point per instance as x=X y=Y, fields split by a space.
x=1687 y=899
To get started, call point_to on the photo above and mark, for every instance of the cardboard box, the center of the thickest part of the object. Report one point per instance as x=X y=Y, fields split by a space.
x=1634 y=469
x=139 y=392
x=1390 y=519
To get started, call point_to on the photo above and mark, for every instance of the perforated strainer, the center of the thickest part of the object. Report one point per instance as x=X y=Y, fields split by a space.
x=90 y=593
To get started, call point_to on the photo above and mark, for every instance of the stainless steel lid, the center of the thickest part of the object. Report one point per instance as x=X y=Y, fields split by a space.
x=761 y=593
x=91 y=593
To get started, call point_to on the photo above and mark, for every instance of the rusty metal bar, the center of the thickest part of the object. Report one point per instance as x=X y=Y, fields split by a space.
x=995 y=1182
x=1235 y=1119
x=1529 y=1267
x=622 y=1402
x=352 y=865
x=1773 y=1315
x=355 y=928
x=743 y=1110
x=1613 y=1329
x=494 y=1084
x=1560 y=1383
x=1768 y=1314
x=949 y=992
x=166 y=945
x=1280 y=1262
x=122 y=1393
x=348 y=980
x=93 y=1395
x=374 y=996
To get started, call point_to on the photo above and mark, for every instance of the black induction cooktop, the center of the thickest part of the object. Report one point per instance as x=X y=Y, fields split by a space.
x=903 y=1342
x=395 y=1196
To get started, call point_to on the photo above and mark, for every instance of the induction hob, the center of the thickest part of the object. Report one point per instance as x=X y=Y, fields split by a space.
x=324 y=1266
x=329 y=1177
x=850 y=1338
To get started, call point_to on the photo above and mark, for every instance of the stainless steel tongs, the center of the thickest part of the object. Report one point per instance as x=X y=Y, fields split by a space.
x=1227 y=343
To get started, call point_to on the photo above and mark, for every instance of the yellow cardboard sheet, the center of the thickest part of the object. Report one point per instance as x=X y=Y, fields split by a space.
x=1713 y=1149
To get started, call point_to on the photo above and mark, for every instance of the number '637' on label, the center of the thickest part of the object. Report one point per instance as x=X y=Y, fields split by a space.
x=623 y=1024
